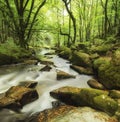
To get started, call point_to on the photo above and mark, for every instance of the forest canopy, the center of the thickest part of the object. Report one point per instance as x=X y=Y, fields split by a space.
x=58 y=21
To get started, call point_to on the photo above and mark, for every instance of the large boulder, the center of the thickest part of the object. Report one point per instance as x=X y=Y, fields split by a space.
x=98 y=99
x=71 y=114
x=81 y=59
x=108 y=71
x=18 y=96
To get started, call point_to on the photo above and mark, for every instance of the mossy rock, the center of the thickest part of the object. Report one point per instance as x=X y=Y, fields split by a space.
x=101 y=61
x=116 y=58
x=102 y=49
x=65 y=52
x=109 y=76
x=94 y=98
x=106 y=104
x=86 y=96
x=81 y=59
x=82 y=70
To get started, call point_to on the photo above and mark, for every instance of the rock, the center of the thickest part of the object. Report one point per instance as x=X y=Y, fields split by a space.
x=65 y=52
x=57 y=104
x=30 y=61
x=86 y=97
x=22 y=94
x=108 y=72
x=63 y=75
x=101 y=49
x=11 y=103
x=46 y=68
x=95 y=84
x=106 y=103
x=47 y=62
x=81 y=59
x=82 y=70
x=114 y=94
x=71 y=114
x=7 y=115
x=94 y=56
x=28 y=84
x=18 y=96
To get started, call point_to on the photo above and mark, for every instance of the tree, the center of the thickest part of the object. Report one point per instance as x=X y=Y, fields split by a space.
x=24 y=19
x=67 y=3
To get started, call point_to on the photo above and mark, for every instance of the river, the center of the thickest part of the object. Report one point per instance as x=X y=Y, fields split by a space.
x=14 y=74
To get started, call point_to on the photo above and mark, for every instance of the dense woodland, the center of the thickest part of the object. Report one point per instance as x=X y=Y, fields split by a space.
x=60 y=22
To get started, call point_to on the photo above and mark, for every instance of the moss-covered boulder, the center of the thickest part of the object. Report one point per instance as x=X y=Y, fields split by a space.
x=101 y=61
x=81 y=59
x=108 y=70
x=65 y=52
x=63 y=75
x=82 y=70
x=106 y=104
x=98 y=99
x=71 y=114
x=101 y=49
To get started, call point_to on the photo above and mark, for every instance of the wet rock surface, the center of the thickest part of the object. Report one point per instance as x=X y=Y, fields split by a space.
x=71 y=114
x=28 y=84
x=98 y=99
x=18 y=96
x=46 y=68
x=93 y=83
x=63 y=75
x=82 y=70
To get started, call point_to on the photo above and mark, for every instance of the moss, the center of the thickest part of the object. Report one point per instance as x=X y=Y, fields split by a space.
x=110 y=76
x=11 y=53
x=101 y=61
x=116 y=58
x=102 y=49
x=65 y=52
x=81 y=59
x=86 y=95
x=106 y=104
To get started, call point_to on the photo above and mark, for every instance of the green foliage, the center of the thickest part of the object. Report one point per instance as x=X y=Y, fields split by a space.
x=13 y=53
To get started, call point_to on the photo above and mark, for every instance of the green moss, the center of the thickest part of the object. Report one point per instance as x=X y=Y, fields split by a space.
x=81 y=59
x=106 y=104
x=11 y=53
x=86 y=95
x=101 y=61
x=102 y=49
x=65 y=52
x=116 y=58
x=110 y=76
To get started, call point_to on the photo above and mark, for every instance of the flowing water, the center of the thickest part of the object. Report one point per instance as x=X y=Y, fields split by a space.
x=13 y=75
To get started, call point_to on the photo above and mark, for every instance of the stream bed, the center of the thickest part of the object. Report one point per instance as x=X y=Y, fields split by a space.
x=13 y=75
